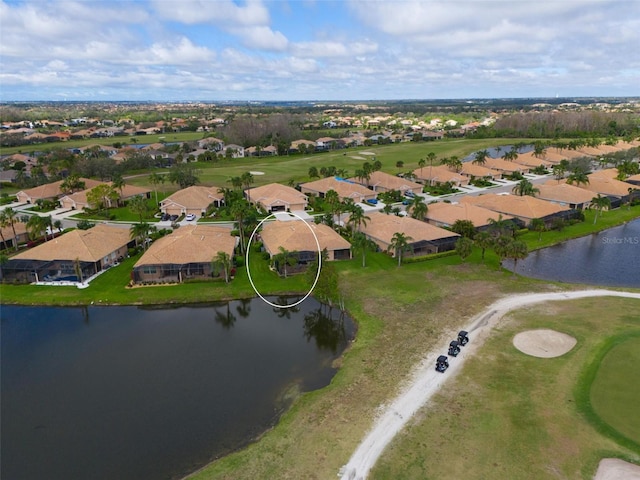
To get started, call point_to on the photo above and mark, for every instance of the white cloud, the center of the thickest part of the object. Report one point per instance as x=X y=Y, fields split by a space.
x=333 y=49
x=220 y=12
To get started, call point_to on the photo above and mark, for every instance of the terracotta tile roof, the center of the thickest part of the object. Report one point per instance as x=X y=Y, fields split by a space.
x=382 y=227
x=472 y=170
x=189 y=244
x=524 y=207
x=129 y=191
x=344 y=188
x=275 y=194
x=530 y=160
x=554 y=155
x=389 y=182
x=86 y=245
x=447 y=214
x=52 y=190
x=607 y=186
x=193 y=197
x=504 y=166
x=564 y=193
x=296 y=236
x=440 y=174
x=7 y=231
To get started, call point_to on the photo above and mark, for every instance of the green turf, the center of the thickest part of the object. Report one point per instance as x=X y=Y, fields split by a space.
x=615 y=391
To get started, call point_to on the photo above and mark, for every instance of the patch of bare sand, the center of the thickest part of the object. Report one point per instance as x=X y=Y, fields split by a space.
x=616 y=469
x=544 y=343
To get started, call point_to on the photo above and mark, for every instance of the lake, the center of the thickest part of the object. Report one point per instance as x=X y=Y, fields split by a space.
x=153 y=393
x=609 y=258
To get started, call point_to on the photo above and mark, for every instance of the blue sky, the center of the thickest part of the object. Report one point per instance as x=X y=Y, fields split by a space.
x=174 y=50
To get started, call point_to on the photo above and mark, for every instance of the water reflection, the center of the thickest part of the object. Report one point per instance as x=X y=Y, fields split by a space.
x=150 y=392
x=608 y=258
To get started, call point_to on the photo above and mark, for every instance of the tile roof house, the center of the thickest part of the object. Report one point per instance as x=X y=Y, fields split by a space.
x=92 y=250
x=524 y=208
x=531 y=161
x=184 y=254
x=440 y=174
x=49 y=191
x=504 y=167
x=384 y=182
x=275 y=197
x=298 y=236
x=301 y=236
x=472 y=170
x=344 y=188
x=566 y=195
x=443 y=214
x=78 y=200
x=425 y=238
x=195 y=199
x=7 y=238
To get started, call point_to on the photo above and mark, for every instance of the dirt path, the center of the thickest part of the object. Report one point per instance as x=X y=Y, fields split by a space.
x=425 y=381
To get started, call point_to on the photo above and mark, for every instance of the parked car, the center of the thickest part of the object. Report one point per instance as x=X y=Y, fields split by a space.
x=173 y=218
x=165 y=217
x=190 y=217
x=463 y=338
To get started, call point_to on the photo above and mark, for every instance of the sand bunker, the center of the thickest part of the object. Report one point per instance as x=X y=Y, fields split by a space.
x=356 y=157
x=616 y=469
x=256 y=173
x=544 y=343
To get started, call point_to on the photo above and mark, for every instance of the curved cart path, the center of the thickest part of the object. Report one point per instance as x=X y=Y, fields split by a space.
x=426 y=381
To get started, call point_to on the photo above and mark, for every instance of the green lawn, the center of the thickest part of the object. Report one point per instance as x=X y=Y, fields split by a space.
x=513 y=416
x=615 y=390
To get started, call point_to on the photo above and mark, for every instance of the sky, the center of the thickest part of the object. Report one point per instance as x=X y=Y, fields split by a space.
x=297 y=50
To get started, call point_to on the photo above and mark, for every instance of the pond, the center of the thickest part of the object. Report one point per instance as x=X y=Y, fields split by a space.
x=609 y=258
x=141 y=393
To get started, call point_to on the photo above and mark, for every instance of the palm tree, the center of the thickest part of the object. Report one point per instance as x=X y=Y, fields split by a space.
x=558 y=172
x=399 y=165
x=455 y=163
x=464 y=247
x=118 y=183
x=510 y=155
x=480 y=157
x=138 y=205
x=332 y=199
x=357 y=218
x=313 y=172
x=421 y=163
x=517 y=250
x=500 y=227
x=537 y=225
x=11 y=217
x=525 y=187
x=577 y=177
x=4 y=259
x=600 y=203
x=155 y=180
x=399 y=244
x=239 y=212
x=3 y=223
x=58 y=225
x=361 y=243
x=483 y=240
x=539 y=149
x=418 y=207
x=246 y=179
x=35 y=226
x=284 y=258
x=139 y=232
x=223 y=260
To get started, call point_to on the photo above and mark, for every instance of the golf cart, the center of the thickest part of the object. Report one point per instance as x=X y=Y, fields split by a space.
x=442 y=363
x=463 y=338
x=454 y=348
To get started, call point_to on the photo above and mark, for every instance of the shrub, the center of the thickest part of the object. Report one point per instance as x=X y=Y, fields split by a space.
x=238 y=260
